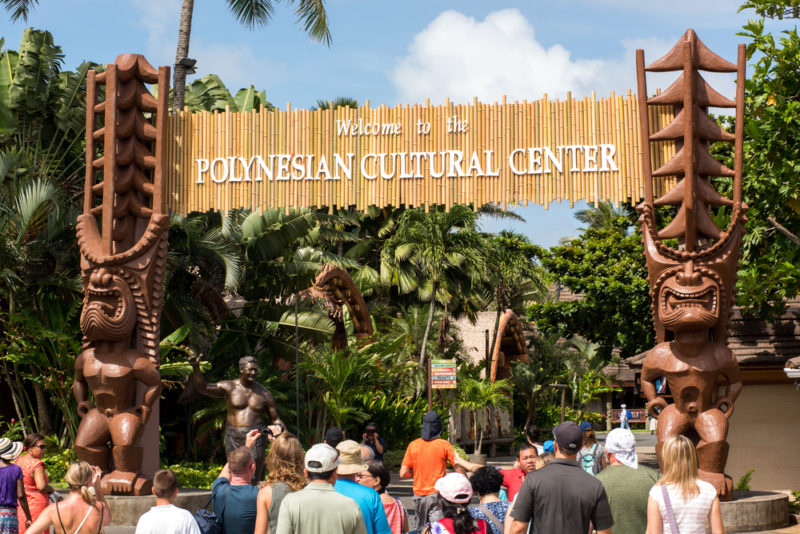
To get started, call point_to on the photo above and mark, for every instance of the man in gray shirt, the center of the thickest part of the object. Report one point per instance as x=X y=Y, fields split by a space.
x=318 y=508
x=562 y=497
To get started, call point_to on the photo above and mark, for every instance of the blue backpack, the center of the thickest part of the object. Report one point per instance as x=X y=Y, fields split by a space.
x=207 y=521
x=588 y=461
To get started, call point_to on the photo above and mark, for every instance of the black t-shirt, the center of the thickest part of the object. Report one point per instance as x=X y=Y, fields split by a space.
x=562 y=497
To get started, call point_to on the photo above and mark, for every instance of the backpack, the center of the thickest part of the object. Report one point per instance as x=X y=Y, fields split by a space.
x=588 y=461
x=207 y=521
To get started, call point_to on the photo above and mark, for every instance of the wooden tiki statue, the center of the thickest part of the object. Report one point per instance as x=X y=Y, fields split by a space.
x=691 y=262
x=122 y=235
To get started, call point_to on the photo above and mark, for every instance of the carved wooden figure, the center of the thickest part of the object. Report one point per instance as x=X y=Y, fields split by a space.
x=122 y=235
x=693 y=276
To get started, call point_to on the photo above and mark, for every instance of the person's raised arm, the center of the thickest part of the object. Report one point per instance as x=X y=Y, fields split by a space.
x=249 y=442
x=220 y=389
x=715 y=518
x=466 y=464
x=380 y=447
x=100 y=500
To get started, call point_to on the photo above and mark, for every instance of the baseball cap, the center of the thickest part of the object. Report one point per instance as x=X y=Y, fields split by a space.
x=454 y=487
x=622 y=444
x=334 y=436
x=586 y=425
x=569 y=437
x=322 y=458
x=547 y=446
x=351 y=462
x=9 y=450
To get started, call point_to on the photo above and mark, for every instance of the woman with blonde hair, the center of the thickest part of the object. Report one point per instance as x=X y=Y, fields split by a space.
x=285 y=464
x=84 y=511
x=680 y=502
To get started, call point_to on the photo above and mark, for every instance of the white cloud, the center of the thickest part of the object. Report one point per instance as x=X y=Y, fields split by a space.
x=160 y=19
x=458 y=57
x=236 y=64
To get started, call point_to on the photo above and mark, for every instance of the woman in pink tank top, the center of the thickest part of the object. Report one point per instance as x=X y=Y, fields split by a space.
x=377 y=477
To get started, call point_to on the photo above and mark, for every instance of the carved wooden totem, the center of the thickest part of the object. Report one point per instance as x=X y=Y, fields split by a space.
x=122 y=235
x=691 y=262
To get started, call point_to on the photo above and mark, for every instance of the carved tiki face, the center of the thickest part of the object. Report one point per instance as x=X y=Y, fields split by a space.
x=109 y=312
x=691 y=290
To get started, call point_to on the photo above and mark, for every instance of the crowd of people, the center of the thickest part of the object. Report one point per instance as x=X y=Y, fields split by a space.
x=569 y=484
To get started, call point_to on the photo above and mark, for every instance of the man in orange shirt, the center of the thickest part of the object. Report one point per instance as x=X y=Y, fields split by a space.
x=426 y=461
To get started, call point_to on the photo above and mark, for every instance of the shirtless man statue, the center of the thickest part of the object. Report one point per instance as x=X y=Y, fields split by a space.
x=248 y=404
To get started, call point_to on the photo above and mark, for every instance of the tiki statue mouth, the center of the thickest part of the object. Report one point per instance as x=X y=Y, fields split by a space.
x=108 y=311
x=689 y=300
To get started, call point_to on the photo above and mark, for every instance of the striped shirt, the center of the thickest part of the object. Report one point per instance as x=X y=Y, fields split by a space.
x=690 y=516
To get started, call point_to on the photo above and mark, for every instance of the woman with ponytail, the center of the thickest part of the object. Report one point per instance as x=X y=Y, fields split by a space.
x=84 y=511
x=455 y=491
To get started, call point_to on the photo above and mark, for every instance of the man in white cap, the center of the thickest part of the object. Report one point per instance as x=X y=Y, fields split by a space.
x=367 y=498
x=626 y=482
x=318 y=507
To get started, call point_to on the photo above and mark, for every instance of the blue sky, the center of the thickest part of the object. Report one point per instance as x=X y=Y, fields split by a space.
x=403 y=52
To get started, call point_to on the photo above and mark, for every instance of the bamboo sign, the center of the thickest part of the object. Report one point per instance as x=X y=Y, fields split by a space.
x=513 y=152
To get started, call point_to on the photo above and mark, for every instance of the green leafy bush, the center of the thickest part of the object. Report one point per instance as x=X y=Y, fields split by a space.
x=195 y=474
x=744 y=483
x=57 y=462
x=399 y=420
x=794 y=502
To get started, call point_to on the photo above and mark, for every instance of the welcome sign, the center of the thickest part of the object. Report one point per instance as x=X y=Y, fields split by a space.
x=521 y=152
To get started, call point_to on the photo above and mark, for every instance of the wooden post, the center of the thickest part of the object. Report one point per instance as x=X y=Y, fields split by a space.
x=430 y=385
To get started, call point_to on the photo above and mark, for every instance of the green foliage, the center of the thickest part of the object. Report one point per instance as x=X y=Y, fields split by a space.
x=743 y=484
x=770 y=265
x=57 y=462
x=195 y=474
x=476 y=394
x=399 y=419
x=794 y=502
x=777 y=9
x=11 y=430
x=210 y=94
x=607 y=268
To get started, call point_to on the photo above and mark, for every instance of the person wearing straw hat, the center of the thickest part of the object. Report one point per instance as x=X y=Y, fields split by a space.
x=12 y=490
x=367 y=498
x=627 y=482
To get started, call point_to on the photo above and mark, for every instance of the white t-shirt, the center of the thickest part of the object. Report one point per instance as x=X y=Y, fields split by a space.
x=167 y=519
x=690 y=516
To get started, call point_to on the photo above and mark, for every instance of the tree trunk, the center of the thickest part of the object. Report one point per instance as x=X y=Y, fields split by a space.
x=179 y=77
x=427 y=332
x=563 y=404
x=494 y=341
x=531 y=412
x=42 y=407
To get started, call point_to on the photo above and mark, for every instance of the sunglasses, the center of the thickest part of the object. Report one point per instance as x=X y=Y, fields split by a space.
x=41 y=447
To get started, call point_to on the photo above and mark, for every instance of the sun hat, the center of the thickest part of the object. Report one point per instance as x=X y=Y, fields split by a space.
x=454 y=487
x=586 y=425
x=321 y=458
x=431 y=426
x=9 y=450
x=547 y=446
x=351 y=462
x=622 y=444
x=569 y=437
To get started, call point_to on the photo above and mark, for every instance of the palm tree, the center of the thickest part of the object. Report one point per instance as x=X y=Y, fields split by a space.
x=477 y=395
x=603 y=216
x=310 y=13
x=437 y=254
x=19 y=8
x=517 y=280
x=338 y=102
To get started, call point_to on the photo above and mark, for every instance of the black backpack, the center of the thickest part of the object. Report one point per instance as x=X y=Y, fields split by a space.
x=207 y=521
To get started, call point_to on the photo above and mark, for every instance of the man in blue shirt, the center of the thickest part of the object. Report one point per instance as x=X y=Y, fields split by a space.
x=233 y=498
x=367 y=498
x=372 y=440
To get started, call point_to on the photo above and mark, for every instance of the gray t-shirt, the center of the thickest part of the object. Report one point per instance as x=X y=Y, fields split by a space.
x=562 y=497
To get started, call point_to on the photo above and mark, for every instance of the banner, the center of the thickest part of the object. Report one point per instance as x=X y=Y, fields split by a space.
x=536 y=151
x=443 y=374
